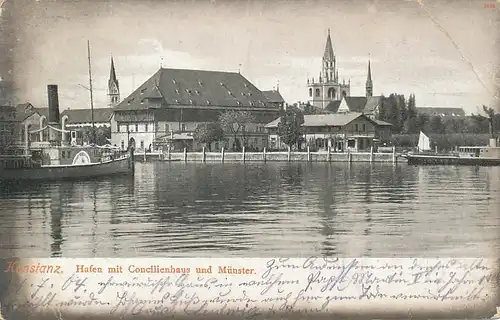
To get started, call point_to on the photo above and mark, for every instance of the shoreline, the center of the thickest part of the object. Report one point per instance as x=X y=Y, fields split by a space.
x=273 y=156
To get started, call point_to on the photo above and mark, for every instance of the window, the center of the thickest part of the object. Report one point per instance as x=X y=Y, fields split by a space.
x=344 y=93
x=63 y=154
x=183 y=127
x=166 y=126
x=123 y=145
x=243 y=127
x=146 y=127
x=317 y=93
x=136 y=127
x=310 y=92
x=117 y=127
x=356 y=127
x=331 y=93
x=364 y=127
x=142 y=144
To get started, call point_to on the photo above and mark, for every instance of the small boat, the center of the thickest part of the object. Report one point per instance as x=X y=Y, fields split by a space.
x=472 y=156
x=58 y=158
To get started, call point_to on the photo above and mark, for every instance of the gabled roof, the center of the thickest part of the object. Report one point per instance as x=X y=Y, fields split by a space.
x=26 y=110
x=333 y=120
x=333 y=106
x=101 y=115
x=356 y=104
x=438 y=111
x=273 y=96
x=330 y=120
x=197 y=88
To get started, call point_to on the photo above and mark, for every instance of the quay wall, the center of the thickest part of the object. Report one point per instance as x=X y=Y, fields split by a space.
x=281 y=156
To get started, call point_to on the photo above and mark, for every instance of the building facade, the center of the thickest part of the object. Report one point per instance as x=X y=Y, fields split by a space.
x=8 y=128
x=352 y=131
x=166 y=109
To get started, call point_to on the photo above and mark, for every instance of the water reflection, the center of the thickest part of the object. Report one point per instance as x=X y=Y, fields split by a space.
x=255 y=209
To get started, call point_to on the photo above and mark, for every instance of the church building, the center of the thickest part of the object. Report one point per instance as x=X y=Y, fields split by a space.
x=327 y=92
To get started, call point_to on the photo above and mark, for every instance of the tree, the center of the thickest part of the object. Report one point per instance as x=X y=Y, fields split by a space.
x=310 y=109
x=491 y=116
x=436 y=125
x=207 y=133
x=234 y=122
x=96 y=135
x=289 y=127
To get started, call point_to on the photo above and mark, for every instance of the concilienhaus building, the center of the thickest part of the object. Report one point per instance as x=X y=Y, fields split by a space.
x=167 y=108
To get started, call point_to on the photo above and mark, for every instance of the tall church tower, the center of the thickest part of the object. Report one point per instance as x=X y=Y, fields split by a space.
x=369 y=83
x=327 y=88
x=113 y=87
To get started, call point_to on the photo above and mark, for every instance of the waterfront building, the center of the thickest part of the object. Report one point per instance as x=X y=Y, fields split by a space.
x=33 y=119
x=167 y=108
x=274 y=97
x=8 y=127
x=82 y=118
x=340 y=132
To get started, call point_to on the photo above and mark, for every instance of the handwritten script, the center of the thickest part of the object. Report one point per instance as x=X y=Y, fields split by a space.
x=246 y=287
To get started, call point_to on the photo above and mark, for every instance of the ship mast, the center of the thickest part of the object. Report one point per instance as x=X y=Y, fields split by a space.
x=91 y=95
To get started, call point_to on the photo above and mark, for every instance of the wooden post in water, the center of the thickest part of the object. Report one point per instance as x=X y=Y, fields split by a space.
x=371 y=154
x=394 y=158
x=308 y=154
x=243 y=154
x=185 y=155
x=264 y=154
x=329 y=154
x=144 y=154
x=204 y=155
x=169 y=156
x=289 y=153
x=349 y=156
x=222 y=154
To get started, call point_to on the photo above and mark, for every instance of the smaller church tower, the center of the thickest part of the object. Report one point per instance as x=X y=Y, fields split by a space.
x=113 y=87
x=369 y=83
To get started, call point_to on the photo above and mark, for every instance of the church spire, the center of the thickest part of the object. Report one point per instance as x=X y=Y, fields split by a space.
x=329 y=66
x=369 y=83
x=328 y=55
x=113 y=86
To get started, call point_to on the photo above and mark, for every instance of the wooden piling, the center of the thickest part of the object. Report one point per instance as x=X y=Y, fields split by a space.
x=185 y=155
x=264 y=154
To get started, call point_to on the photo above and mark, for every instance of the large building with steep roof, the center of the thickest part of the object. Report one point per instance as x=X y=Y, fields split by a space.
x=167 y=108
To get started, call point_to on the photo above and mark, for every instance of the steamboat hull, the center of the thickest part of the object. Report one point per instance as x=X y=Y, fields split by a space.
x=451 y=160
x=64 y=172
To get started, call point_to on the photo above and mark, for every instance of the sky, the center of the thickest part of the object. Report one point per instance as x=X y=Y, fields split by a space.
x=444 y=52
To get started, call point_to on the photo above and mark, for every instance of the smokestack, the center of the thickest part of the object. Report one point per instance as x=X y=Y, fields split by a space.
x=53 y=103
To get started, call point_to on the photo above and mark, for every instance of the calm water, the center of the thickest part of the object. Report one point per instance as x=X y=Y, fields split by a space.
x=273 y=209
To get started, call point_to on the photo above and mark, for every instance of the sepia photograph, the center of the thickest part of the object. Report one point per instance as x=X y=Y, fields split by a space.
x=250 y=129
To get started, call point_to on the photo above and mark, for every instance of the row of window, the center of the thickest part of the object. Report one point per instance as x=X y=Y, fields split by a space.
x=331 y=92
x=130 y=128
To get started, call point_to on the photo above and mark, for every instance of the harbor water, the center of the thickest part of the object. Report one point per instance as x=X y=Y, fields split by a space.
x=258 y=210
